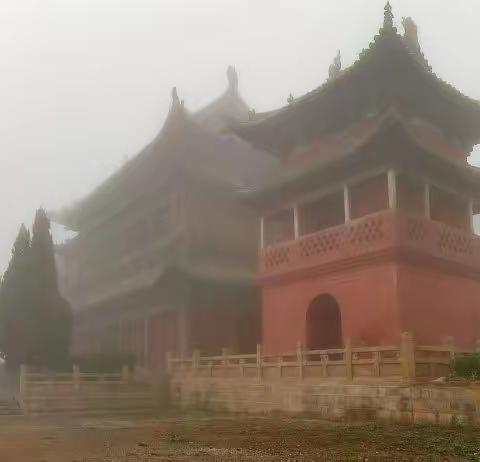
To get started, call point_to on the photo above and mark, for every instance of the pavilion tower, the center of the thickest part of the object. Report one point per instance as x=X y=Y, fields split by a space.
x=367 y=230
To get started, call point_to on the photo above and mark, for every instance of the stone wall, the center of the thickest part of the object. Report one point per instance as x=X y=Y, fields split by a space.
x=416 y=403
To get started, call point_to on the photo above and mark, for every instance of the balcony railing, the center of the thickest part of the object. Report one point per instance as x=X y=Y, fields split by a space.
x=390 y=230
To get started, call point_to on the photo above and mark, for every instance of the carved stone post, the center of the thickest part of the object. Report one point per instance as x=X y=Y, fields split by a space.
x=225 y=353
x=348 y=359
x=324 y=364
x=259 y=362
x=449 y=341
x=407 y=357
x=300 y=360
x=195 y=361
x=241 y=365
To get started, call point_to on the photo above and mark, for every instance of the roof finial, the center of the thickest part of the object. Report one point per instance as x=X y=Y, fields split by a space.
x=232 y=77
x=336 y=67
x=175 y=99
x=388 y=16
x=411 y=34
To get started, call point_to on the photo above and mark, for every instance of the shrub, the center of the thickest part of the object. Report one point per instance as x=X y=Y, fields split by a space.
x=467 y=366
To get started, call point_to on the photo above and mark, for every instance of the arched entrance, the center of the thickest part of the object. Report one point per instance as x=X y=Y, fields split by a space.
x=324 y=323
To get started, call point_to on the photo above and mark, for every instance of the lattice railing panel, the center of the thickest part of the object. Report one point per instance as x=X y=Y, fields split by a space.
x=366 y=232
x=417 y=230
x=375 y=233
x=452 y=241
x=276 y=257
x=322 y=244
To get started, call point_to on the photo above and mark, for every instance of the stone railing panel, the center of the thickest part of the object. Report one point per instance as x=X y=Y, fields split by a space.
x=390 y=229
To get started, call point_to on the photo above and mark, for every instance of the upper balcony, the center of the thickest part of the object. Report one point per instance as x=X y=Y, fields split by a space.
x=394 y=230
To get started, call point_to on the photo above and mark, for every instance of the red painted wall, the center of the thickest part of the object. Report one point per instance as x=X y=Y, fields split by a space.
x=366 y=297
x=434 y=304
x=377 y=304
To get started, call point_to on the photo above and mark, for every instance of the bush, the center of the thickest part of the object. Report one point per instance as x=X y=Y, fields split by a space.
x=467 y=366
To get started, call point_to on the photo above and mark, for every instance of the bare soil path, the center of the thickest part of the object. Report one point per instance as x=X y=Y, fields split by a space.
x=200 y=437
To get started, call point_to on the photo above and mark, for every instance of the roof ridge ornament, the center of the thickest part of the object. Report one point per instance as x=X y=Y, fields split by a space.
x=232 y=77
x=411 y=34
x=175 y=100
x=335 y=68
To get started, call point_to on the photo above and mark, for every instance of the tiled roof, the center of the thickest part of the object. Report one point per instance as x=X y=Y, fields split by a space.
x=352 y=84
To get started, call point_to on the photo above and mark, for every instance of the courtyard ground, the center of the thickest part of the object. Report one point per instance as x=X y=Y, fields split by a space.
x=201 y=437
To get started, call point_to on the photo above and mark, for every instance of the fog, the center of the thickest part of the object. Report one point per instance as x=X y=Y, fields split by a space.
x=84 y=84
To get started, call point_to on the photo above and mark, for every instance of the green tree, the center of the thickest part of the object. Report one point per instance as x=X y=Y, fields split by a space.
x=53 y=334
x=35 y=320
x=17 y=310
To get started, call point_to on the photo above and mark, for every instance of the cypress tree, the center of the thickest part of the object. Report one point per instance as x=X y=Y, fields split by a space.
x=55 y=324
x=35 y=320
x=17 y=310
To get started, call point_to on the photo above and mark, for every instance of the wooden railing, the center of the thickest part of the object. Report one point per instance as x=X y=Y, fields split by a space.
x=405 y=362
x=389 y=229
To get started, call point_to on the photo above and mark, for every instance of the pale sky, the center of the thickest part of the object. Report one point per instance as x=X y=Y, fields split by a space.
x=84 y=84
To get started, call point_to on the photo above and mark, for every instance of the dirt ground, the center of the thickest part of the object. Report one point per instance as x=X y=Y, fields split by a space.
x=200 y=437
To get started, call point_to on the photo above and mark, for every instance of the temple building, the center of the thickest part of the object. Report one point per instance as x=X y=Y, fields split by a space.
x=346 y=213
x=367 y=230
x=166 y=252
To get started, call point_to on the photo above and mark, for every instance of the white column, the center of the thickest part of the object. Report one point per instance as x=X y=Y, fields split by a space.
x=470 y=215
x=296 y=223
x=262 y=232
x=392 y=189
x=346 y=203
x=427 y=201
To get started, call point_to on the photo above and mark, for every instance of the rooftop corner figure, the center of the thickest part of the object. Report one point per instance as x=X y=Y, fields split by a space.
x=232 y=77
x=175 y=100
x=411 y=34
x=336 y=67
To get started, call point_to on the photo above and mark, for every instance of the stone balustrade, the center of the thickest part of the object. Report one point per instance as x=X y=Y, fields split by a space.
x=388 y=231
x=406 y=362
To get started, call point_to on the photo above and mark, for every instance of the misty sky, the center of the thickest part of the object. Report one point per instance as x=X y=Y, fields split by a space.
x=84 y=84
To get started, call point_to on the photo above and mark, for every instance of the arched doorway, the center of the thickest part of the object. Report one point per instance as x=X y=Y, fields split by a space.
x=324 y=323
